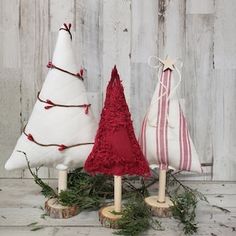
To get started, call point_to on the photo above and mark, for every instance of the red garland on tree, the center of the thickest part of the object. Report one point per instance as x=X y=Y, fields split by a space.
x=116 y=150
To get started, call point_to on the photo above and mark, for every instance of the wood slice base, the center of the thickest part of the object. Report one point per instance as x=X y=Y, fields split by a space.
x=107 y=218
x=160 y=209
x=55 y=210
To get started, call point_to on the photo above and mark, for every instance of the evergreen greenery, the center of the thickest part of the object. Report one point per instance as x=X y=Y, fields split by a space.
x=47 y=191
x=88 y=192
x=136 y=218
x=185 y=201
x=93 y=192
x=184 y=210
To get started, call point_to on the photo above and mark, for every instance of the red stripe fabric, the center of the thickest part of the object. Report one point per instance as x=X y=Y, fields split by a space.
x=142 y=137
x=189 y=148
x=168 y=144
x=162 y=123
x=185 y=147
x=180 y=141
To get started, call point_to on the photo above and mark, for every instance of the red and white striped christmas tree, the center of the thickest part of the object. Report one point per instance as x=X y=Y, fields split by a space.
x=165 y=138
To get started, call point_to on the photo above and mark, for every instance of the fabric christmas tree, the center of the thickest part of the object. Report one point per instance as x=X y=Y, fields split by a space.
x=116 y=150
x=61 y=129
x=165 y=138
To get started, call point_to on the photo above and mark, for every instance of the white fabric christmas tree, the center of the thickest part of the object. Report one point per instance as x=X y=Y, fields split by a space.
x=61 y=129
x=165 y=139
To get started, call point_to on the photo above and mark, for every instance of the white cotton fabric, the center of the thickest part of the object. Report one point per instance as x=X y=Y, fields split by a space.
x=58 y=125
x=148 y=136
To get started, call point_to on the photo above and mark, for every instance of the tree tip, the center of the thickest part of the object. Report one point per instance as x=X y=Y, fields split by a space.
x=114 y=73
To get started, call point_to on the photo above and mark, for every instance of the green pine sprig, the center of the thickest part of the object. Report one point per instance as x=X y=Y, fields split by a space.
x=136 y=218
x=185 y=201
x=184 y=210
x=47 y=191
x=93 y=192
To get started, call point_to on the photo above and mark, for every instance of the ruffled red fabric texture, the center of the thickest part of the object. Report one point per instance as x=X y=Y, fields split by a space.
x=116 y=150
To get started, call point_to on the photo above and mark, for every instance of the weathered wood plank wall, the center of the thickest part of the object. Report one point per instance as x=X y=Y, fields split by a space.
x=126 y=33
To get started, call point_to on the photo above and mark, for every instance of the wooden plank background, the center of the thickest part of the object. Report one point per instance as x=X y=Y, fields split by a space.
x=126 y=32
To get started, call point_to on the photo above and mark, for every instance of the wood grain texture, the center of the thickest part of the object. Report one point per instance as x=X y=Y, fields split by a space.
x=89 y=48
x=33 y=54
x=143 y=77
x=10 y=129
x=171 y=26
x=62 y=11
x=224 y=125
x=10 y=34
x=224 y=34
x=126 y=33
x=57 y=211
x=116 y=35
x=224 y=92
x=22 y=198
x=170 y=230
x=197 y=82
x=200 y=7
x=10 y=80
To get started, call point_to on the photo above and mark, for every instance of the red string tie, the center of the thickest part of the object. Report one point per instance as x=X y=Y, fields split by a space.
x=30 y=137
x=68 y=27
x=50 y=103
x=48 y=107
x=62 y=147
x=86 y=106
x=50 y=65
x=81 y=72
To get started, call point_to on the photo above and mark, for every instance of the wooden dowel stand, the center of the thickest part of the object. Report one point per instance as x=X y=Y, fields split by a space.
x=52 y=206
x=162 y=186
x=160 y=205
x=107 y=215
x=117 y=193
x=62 y=180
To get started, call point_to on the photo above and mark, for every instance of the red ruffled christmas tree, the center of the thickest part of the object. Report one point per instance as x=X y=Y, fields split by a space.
x=116 y=150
